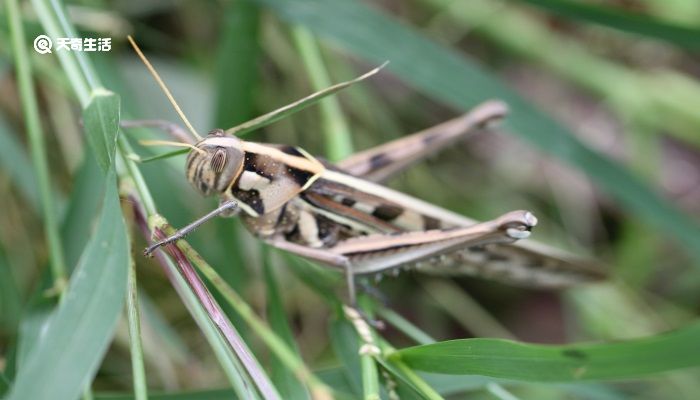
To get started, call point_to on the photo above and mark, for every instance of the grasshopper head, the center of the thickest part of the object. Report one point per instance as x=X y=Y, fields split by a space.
x=216 y=163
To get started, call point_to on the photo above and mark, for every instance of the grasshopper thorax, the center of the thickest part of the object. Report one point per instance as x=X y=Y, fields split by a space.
x=216 y=163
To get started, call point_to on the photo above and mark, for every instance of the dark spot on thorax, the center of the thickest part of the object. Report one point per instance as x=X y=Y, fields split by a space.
x=299 y=176
x=387 y=212
x=258 y=164
x=251 y=198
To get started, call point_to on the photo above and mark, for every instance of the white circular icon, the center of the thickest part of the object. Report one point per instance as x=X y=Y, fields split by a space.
x=43 y=44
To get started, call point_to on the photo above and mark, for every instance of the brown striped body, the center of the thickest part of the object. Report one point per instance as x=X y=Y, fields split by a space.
x=286 y=194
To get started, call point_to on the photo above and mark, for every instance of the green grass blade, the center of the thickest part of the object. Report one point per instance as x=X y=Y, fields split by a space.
x=135 y=344
x=370 y=378
x=570 y=363
x=83 y=204
x=405 y=326
x=296 y=106
x=101 y=118
x=617 y=18
x=49 y=14
x=335 y=127
x=408 y=382
x=345 y=344
x=67 y=354
x=236 y=66
x=37 y=145
x=455 y=80
x=282 y=375
x=287 y=356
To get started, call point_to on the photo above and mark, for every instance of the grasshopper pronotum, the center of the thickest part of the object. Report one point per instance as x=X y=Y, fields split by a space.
x=341 y=216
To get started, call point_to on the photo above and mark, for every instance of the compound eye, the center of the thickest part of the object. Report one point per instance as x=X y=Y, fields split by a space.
x=218 y=161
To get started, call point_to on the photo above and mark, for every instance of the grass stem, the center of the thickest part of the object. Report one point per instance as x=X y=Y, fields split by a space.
x=335 y=126
x=136 y=347
x=37 y=146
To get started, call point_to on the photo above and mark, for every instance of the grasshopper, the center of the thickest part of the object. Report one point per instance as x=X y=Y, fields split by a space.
x=342 y=216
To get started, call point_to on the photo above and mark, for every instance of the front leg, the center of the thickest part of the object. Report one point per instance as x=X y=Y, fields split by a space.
x=225 y=208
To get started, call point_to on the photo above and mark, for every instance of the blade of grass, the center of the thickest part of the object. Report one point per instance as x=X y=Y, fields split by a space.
x=368 y=350
x=83 y=204
x=370 y=378
x=101 y=117
x=84 y=81
x=403 y=325
x=37 y=146
x=67 y=354
x=136 y=347
x=569 y=363
x=455 y=80
x=345 y=344
x=405 y=373
x=274 y=342
x=464 y=309
x=216 y=314
x=48 y=14
x=335 y=128
x=234 y=370
x=617 y=18
x=408 y=378
x=284 y=376
x=236 y=63
x=296 y=106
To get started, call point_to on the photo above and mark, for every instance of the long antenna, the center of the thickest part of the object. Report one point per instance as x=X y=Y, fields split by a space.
x=162 y=86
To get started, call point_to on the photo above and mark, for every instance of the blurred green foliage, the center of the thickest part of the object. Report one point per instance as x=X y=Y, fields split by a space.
x=602 y=144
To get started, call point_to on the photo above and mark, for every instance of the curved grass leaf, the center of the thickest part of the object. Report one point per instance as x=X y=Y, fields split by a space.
x=345 y=344
x=70 y=348
x=284 y=379
x=101 y=125
x=617 y=18
x=455 y=80
x=37 y=142
x=296 y=106
x=513 y=360
x=83 y=206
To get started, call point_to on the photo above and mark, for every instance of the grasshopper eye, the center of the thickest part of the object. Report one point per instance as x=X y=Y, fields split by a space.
x=218 y=161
